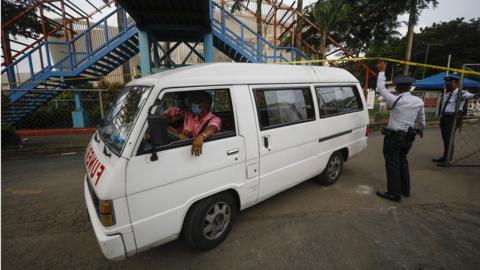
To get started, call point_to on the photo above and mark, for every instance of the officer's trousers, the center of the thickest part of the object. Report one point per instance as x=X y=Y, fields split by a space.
x=395 y=151
x=446 y=126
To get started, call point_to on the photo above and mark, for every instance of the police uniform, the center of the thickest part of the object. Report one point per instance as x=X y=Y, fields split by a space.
x=448 y=114
x=406 y=109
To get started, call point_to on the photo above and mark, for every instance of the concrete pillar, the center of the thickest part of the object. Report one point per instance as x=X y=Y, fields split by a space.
x=208 y=47
x=145 y=59
x=79 y=116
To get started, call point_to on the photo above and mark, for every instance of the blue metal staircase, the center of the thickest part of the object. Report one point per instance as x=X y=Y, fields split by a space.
x=244 y=44
x=83 y=60
x=230 y=36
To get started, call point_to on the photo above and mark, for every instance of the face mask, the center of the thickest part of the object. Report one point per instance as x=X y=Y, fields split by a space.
x=196 y=108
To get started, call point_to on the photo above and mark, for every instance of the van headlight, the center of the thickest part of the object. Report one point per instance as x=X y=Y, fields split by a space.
x=106 y=213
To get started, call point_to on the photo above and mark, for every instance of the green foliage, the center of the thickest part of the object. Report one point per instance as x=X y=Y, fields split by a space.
x=380 y=117
x=28 y=25
x=358 y=25
x=459 y=38
x=9 y=136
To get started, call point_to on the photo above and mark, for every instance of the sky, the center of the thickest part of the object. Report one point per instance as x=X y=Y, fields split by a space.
x=446 y=10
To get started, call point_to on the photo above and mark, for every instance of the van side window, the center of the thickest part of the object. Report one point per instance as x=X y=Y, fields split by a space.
x=335 y=100
x=281 y=107
x=182 y=110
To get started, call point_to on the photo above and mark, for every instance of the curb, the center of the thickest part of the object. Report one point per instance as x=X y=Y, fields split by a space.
x=59 y=131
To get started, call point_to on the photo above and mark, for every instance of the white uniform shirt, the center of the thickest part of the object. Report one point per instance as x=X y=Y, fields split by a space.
x=452 y=102
x=407 y=110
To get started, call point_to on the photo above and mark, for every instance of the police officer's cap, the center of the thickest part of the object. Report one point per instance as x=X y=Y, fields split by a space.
x=451 y=78
x=402 y=80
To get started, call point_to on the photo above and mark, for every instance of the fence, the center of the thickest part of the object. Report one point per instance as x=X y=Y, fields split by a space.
x=57 y=113
x=465 y=149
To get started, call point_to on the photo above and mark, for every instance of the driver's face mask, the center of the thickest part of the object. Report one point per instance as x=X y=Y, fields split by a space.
x=196 y=108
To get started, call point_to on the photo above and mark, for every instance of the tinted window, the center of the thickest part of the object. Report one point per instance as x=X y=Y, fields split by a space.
x=335 y=100
x=283 y=107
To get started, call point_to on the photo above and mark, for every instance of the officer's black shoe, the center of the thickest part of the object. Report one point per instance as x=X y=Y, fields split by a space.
x=406 y=194
x=438 y=159
x=388 y=196
x=442 y=164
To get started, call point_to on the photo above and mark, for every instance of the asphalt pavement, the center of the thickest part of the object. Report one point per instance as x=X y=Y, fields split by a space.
x=343 y=226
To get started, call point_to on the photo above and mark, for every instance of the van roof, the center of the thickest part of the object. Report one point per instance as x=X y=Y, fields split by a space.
x=245 y=73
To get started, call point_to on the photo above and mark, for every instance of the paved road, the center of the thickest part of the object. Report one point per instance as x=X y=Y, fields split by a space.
x=344 y=226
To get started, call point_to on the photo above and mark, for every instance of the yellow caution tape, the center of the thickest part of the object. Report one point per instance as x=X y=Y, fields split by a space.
x=310 y=62
x=388 y=60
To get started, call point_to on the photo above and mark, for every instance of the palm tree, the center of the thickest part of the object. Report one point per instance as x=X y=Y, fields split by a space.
x=327 y=14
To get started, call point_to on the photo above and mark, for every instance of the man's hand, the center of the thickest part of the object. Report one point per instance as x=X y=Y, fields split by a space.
x=381 y=65
x=197 y=146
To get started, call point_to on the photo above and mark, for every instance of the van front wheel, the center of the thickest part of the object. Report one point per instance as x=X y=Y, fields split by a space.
x=209 y=221
x=333 y=170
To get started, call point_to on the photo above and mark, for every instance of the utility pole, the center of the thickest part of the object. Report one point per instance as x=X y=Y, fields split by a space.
x=426 y=56
x=411 y=24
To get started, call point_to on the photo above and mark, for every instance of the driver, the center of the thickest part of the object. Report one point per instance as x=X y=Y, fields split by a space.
x=200 y=123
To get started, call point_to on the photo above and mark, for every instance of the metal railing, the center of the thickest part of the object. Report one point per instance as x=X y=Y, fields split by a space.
x=246 y=41
x=78 y=51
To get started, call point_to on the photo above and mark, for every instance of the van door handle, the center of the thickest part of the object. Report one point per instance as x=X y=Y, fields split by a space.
x=233 y=152
x=266 y=142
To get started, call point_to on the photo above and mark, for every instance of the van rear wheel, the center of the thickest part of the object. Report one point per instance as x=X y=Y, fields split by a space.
x=333 y=170
x=209 y=221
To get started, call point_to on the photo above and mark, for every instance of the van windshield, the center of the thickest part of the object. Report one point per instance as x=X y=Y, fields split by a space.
x=119 y=122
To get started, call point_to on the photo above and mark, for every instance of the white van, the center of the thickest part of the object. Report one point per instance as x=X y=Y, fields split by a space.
x=280 y=125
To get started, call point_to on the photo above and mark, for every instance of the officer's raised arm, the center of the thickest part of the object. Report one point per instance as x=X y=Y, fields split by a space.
x=381 y=88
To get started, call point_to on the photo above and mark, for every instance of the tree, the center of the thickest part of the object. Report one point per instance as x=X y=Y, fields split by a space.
x=368 y=22
x=415 y=7
x=29 y=25
x=459 y=37
x=327 y=14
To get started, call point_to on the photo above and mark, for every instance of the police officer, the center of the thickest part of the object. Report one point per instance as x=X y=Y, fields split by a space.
x=448 y=114
x=399 y=134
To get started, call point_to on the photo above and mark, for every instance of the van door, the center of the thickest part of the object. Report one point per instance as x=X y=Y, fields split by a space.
x=287 y=135
x=160 y=191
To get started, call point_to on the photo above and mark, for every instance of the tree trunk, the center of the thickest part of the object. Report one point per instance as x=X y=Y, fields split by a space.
x=411 y=25
x=323 y=45
x=297 y=43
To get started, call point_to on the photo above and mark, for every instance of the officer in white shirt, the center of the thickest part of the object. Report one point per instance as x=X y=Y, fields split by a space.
x=406 y=109
x=448 y=114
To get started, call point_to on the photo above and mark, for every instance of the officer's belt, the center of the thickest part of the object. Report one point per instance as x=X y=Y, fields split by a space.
x=399 y=133
x=451 y=113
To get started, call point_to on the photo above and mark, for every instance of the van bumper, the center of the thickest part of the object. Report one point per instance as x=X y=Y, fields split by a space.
x=112 y=246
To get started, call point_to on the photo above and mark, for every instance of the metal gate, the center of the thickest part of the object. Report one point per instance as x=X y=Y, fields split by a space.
x=464 y=147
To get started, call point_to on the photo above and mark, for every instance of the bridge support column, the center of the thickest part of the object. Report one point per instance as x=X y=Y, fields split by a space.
x=208 y=47
x=145 y=59
x=79 y=116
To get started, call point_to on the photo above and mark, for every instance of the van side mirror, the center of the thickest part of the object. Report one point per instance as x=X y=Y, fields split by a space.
x=158 y=127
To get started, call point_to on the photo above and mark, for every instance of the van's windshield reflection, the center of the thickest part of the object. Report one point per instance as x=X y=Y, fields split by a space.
x=117 y=125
